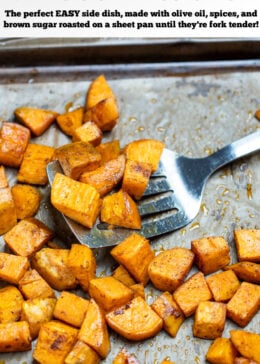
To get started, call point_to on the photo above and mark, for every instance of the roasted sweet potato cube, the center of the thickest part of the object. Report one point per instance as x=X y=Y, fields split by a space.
x=167 y=361
x=124 y=357
x=109 y=150
x=15 y=336
x=246 y=271
x=135 y=321
x=211 y=253
x=89 y=132
x=79 y=201
x=32 y=285
x=51 y=264
x=8 y=217
x=244 y=304
x=223 y=285
x=82 y=263
x=121 y=210
x=122 y=274
x=221 y=351
x=209 y=320
x=28 y=236
x=14 y=139
x=170 y=267
x=11 y=301
x=33 y=166
x=71 y=120
x=12 y=267
x=71 y=308
x=193 y=291
x=248 y=244
x=109 y=293
x=76 y=158
x=257 y=114
x=136 y=178
x=26 y=200
x=106 y=177
x=146 y=151
x=94 y=330
x=82 y=353
x=37 y=120
x=170 y=312
x=247 y=344
x=135 y=254
x=36 y=312
x=104 y=114
x=54 y=343
x=98 y=90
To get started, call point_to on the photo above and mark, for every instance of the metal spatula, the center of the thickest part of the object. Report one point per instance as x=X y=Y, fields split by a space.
x=173 y=197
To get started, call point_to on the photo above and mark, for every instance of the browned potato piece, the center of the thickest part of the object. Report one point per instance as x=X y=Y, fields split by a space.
x=82 y=353
x=11 y=302
x=36 y=312
x=94 y=330
x=170 y=312
x=52 y=266
x=71 y=120
x=76 y=158
x=193 y=291
x=109 y=293
x=26 y=200
x=28 y=236
x=221 y=351
x=8 y=217
x=248 y=244
x=99 y=90
x=135 y=321
x=136 y=178
x=121 y=210
x=109 y=150
x=54 y=343
x=33 y=166
x=79 y=201
x=170 y=267
x=14 y=139
x=82 y=263
x=71 y=308
x=12 y=267
x=244 y=304
x=37 y=120
x=247 y=343
x=223 y=285
x=106 y=177
x=211 y=253
x=104 y=114
x=209 y=320
x=15 y=336
x=246 y=271
x=122 y=274
x=135 y=254
x=146 y=151
x=89 y=132
x=32 y=285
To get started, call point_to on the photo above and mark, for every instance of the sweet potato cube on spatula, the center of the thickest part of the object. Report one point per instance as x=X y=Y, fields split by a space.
x=121 y=210
x=79 y=201
x=37 y=120
x=109 y=150
x=146 y=151
x=76 y=158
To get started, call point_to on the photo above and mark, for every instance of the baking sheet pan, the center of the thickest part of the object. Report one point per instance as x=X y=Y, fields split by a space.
x=194 y=115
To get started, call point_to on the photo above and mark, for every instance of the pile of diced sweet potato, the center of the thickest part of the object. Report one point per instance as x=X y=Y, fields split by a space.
x=53 y=295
